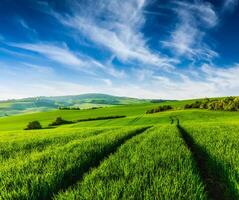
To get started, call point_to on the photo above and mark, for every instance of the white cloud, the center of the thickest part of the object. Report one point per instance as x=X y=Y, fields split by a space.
x=67 y=58
x=116 y=26
x=15 y=71
x=74 y=60
x=187 y=37
x=214 y=81
x=59 y=54
x=44 y=88
x=142 y=74
x=46 y=70
x=107 y=82
x=206 y=81
x=24 y=24
x=230 y=5
x=226 y=79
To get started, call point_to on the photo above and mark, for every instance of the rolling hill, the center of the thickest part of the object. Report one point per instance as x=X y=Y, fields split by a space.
x=185 y=152
x=38 y=104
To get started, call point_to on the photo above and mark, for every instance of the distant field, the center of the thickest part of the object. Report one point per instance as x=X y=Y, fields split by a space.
x=135 y=115
x=84 y=101
x=19 y=121
x=175 y=154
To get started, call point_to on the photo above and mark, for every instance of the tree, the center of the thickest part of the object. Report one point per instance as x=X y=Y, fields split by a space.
x=159 y=109
x=231 y=107
x=236 y=102
x=33 y=125
x=59 y=121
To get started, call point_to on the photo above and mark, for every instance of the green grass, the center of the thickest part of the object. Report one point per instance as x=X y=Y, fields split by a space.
x=40 y=174
x=20 y=144
x=39 y=104
x=20 y=121
x=132 y=112
x=115 y=158
x=186 y=116
x=220 y=142
x=154 y=165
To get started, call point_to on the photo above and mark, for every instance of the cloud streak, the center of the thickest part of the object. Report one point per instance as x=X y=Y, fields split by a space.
x=116 y=26
x=187 y=39
x=119 y=47
x=59 y=54
x=230 y=5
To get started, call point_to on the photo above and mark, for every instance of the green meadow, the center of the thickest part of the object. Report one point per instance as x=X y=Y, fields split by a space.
x=174 y=154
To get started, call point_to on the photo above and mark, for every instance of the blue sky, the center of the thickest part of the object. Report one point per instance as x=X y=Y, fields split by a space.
x=138 y=48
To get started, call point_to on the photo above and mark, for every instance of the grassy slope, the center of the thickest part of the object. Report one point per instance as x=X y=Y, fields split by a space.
x=39 y=104
x=19 y=121
x=40 y=174
x=35 y=145
x=135 y=116
x=218 y=144
x=154 y=164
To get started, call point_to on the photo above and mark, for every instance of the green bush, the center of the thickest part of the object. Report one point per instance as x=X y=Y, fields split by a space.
x=159 y=109
x=60 y=121
x=33 y=125
x=68 y=108
x=226 y=104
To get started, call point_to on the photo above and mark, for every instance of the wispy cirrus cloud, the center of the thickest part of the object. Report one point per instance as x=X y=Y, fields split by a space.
x=24 y=24
x=56 y=53
x=104 y=46
x=116 y=26
x=40 y=69
x=187 y=39
x=67 y=58
x=230 y=5
x=213 y=81
x=225 y=79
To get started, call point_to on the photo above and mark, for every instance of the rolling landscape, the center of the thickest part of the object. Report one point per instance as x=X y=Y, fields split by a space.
x=186 y=151
x=119 y=100
x=36 y=104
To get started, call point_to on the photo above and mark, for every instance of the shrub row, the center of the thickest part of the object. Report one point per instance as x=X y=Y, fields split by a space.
x=101 y=118
x=68 y=108
x=226 y=104
x=77 y=108
x=59 y=121
x=159 y=109
x=33 y=125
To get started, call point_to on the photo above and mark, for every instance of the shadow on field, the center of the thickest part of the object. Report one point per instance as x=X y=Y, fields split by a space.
x=174 y=119
x=72 y=177
x=215 y=178
x=49 y=127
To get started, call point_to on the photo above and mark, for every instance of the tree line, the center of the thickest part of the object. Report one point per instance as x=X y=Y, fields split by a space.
x=159 y=109
x=77 y=108
x=60 y=121
x=225 y=104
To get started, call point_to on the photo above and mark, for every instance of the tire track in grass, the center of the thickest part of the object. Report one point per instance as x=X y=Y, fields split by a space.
x=134 y=120
x=174 y=119
x=215 y=188
x=15 y=148
x=44 y=174
x=171 y=119
x=154 y=165
x=74 y=179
